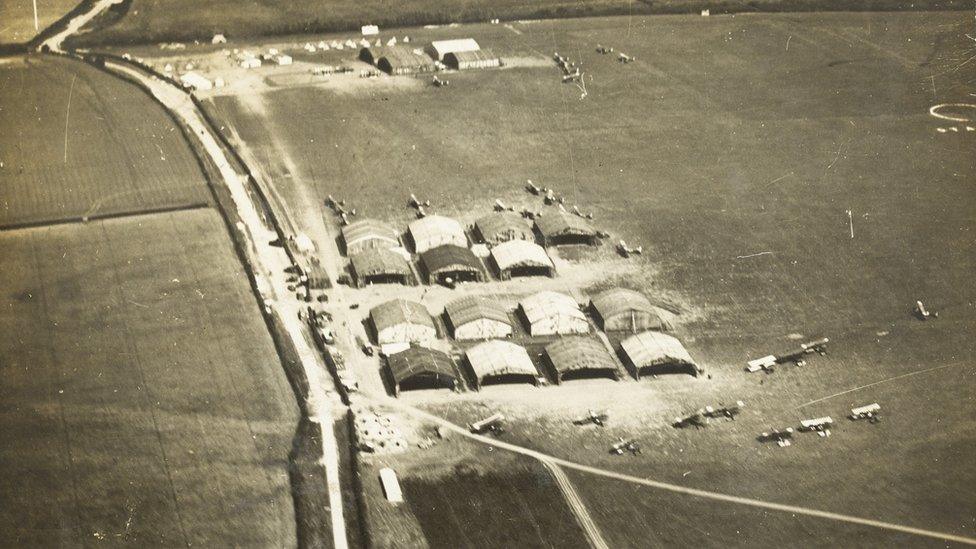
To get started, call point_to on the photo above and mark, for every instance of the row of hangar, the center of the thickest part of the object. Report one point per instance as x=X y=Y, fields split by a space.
x=544 y=313
x=377 y=257
x=497 y=361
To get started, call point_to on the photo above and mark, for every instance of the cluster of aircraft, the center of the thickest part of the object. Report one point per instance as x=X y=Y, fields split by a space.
x=821 y=425
x=339 y=207
x=797 y=357
x=550 y=198
x=571 y=71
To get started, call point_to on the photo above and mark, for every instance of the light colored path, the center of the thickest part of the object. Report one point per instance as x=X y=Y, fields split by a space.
x=794 y=509
x=54 y=43
x=269 y=263
x=887 y=380
x=576 y=504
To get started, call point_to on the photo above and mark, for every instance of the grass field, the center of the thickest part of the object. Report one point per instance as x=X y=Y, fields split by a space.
x=17 y=18
x=732 y=150
x=78 y=142
x=142 y=399
x=149 y=21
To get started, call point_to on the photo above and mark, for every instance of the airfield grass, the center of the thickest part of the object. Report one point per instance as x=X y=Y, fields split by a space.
x=731 y=150
x=142 y=400
x=17 y=18
x=77 y=142
x=149 y=21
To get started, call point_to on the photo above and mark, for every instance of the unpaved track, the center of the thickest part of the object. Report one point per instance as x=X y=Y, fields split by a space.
x=796 y=510
x=54 y=43
x=269 y=263
x=576 y=504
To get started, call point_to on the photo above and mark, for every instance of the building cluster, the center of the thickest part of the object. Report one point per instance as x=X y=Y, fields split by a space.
x=493 y=342
x=457 y=54
x=444 y=250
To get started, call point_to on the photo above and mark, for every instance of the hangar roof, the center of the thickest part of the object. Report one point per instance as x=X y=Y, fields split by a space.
x=615 y=301
x=651 y=348
x=369 y=229
x=570 y=354
x=440 y=48
x=470 y=308
x=559 y=223
x=399 y=311
x=516 y=253
x=420 y=360
x=400 y=56
x=470 y=56
x=496 y=357
x=450 y=257
x=435 y=230
x=377 y=261
x=499 y=225
x=548 y=304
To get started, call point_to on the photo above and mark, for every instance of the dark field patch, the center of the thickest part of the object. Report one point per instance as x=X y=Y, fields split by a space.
x=142 y=400
x=108 y=150
x=520 y=507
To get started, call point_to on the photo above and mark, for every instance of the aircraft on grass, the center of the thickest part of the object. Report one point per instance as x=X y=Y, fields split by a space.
x=780 y=436
x=820 y=425
x=491 y=424
x=870 y=412
x=596 y=418
x=797 y=357
x=922 y=313
x=416 y=203
x=695 y=419
x=625 y=445
x=728 y=412
x=626 y=251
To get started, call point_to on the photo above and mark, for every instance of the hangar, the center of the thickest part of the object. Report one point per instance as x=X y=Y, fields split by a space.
x=421 y=368
x=435 y=230
x=396 y=60
x=379 y=266
x=558 y=228
x=451 y=262
x=501 y=362
x=401 y=321
x=550 y=313
x=620 y=309
x=480 y=59
x=521 y=258
x=439 y=48
x=656 y=353
x=580 y=358
x=476 y=317
x=498 y=227
x=369 y=233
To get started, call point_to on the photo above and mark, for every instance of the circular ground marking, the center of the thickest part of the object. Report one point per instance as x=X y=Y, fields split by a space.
x=952 y=111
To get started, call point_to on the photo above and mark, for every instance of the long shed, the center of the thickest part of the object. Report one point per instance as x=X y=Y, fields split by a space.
x=369 y=233
x=621 y=309
x=498 y=227
x=521 y=258
x=580 y=357
x=402 y=321
x=452 y=262
x=477 y=317
x=421 y=368
x=379 y=266
x=439 y=48
x=552 y=313
x=480 y=59
x=499 y=361
x=435 y=230
x=558 y=228
x=656 y=353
